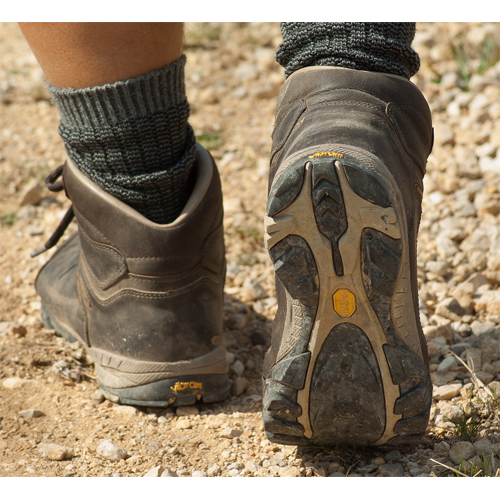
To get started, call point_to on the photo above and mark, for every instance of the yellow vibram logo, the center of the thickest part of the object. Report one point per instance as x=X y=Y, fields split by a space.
x=327 y=153
x=344 y=302
x=182 y=386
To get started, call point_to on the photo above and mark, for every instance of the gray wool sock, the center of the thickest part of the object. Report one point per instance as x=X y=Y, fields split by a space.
x=132 y=138
x=383 y=47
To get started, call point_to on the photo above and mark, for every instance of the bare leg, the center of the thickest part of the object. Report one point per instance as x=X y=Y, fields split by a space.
x=80 y=55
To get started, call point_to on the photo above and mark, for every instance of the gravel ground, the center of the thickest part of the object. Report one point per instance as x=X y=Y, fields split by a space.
x=53 y=419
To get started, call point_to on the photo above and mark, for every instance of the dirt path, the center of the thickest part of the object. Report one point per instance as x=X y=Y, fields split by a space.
x=233 y=81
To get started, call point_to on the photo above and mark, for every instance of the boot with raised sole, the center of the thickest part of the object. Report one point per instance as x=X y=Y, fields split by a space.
x=348 y=361
x=145 y=299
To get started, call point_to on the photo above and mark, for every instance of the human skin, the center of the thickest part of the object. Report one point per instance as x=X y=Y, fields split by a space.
x=81 y=55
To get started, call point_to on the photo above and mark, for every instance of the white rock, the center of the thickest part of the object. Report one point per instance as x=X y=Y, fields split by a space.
x=436 y=198
x=251 y=466
x=13 y=383
x=478 y=83
x=446 y=391
x=182 y=424
x=52 y=451
x=213 y=422
x=432 y=332
x=487 y=164
x=289 y=472
x=31 y=413
x=239 y=386
x=169 y=473
x=494 y=387
x=238 y=367
x=233 y=205
x=155 y=472
x=227 y=433
x=449 y=80
x=98 y=396
x=437 y=267
x=445 y=247
x=467 y=390
x=480 y=239
x=450 y=308
x=109 y=450
x=478 y=102
x=480 y=328
x=446 y=364
x=478 y=259
x=230 y=433
x=214 y=470
x=230 y=357
x=239 y=92
x=126 y=411
x=236 y=465
x=443 y=133
x=160 y=472
x=451 y=413
x=463 y=293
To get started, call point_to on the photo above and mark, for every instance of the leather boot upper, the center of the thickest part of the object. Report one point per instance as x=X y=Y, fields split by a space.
x=384 y=114
x=142 y=290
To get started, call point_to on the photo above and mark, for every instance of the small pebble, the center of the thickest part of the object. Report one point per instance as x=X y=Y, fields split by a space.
x=463 y=450
x=109 y=450
x=53 y=451
x=31 y=413
x=392 y=456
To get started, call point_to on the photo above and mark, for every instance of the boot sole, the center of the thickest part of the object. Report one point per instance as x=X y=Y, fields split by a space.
x=349 y=368
x=181 y=390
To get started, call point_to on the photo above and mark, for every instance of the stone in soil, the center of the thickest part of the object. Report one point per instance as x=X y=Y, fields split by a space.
x=289 y=472
x=257 y=337
x=391 y=470
x=482 y=446
x=98 y=396
x=126 y=411
x=239 y=386
x=169 y=473
x=463 y=450
x=184 y=411
x=238 y=368
x=53 y=451
x=155 y=472
x=446 y=391
x=31 y=413
x=392 y=456
x=109 y=450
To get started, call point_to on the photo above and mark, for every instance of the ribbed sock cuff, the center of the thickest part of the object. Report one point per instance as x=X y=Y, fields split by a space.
x=129 y=99
x=382 y=47
x=132 y=138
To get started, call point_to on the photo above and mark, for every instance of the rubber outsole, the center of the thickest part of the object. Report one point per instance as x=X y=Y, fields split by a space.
x=176 y=391
x=171 y=391
x=349 y=367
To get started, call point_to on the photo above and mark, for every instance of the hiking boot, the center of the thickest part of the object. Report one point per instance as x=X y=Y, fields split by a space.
x=145 y=299
x=348 y=361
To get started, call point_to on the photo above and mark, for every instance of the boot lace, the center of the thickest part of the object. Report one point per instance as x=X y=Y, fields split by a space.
x=55 y=187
